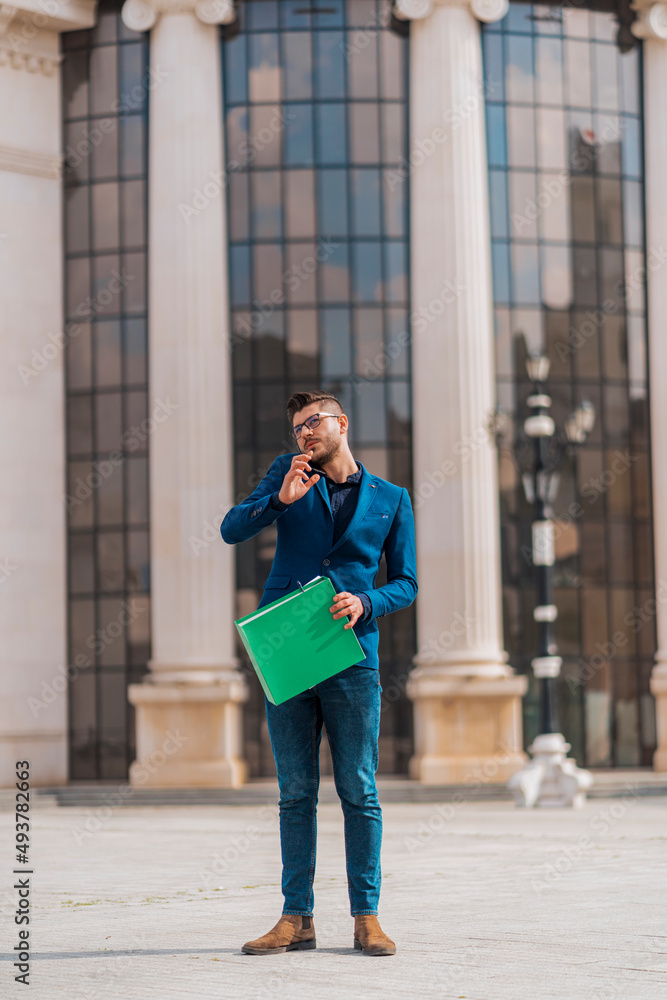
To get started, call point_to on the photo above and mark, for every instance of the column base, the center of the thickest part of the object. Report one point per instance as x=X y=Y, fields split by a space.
x=189 y=734
x=46 y=752
x=467 y=729
x=658 y=687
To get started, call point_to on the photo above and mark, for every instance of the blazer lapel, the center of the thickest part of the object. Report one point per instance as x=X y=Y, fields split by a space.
x=367 y=491
x=321 y=488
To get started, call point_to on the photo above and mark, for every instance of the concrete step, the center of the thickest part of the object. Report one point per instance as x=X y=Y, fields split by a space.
x=264 y=791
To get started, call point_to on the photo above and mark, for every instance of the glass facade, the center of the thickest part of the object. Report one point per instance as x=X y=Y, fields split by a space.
x=105 y=93
x=316 y=125
x=315 y=115
x=564 y=130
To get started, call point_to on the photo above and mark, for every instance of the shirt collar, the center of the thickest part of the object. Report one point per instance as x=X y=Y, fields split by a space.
x=354 y=477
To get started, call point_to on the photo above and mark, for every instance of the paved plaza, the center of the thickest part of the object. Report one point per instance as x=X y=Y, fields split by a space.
x=484 y=902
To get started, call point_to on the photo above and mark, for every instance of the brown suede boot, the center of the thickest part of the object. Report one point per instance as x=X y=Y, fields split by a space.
x=369 y=936
x=291 y=933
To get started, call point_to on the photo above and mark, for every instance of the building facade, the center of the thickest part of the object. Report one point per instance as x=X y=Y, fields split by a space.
x=398 y=202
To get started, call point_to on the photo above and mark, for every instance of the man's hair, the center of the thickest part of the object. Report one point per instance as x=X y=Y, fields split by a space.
x=299 y=400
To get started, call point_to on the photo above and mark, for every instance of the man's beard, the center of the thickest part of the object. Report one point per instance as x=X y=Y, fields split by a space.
x=330 y=451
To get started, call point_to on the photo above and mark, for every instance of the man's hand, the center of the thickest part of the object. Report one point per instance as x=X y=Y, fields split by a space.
x=347 y=604
x=296 y=483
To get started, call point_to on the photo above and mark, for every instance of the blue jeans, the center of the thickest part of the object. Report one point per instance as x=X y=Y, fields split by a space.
x=349 y=706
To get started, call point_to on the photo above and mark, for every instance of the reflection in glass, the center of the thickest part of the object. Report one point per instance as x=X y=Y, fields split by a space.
x=551 y=139
x=75 y=85
x=363 y=69
x=519 y=80
x=268 y=270
x=135 y=351
x=335 y=274
x=108 y=421
x=303 y=345
x=297 y=65
x=521 y=136
x=331 y=133
x=549 y=71
x=368 y=340
x=366 y=272
x=298 y=135
x=395 y=269
x=606 y=81
x=79 y=358
x=132 y=145
x=577 y=74
x=336 y=356
x=525 y=274
x=556 y=277
x=372 y=414
x=238 y=220
x=239 y=264
x=104 y=154
x=584 y=305
x=132 y=299
x=332 y=204
x=366 y=202
x=391 y=66
x=395 y=206
x=264 y=78
x=133 y=213
x=523 y=203
x=77 y=221
x=137 y=490
x=81 y=563
x=105 y=213
x=266 y=203
x=80 y=424
x=496 y=135
x=107 y=353
x=110 y=560
x=104 y=73
x=267 y=124
x=323 y=167
x=364 y=133
x=236 y=76
x=103 y=80
x=299 y=203
x=302 y=266
x=328 y=50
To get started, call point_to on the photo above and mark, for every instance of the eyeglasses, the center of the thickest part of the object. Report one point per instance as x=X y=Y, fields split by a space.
x=312 y=423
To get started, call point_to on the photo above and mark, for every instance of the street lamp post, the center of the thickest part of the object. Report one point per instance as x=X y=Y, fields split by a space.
x=550 y=778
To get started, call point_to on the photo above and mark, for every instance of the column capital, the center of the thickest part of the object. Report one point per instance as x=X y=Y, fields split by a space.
x=651 y=19
x=28 y=30
x=142 y=15
x=418 y=10
x=49 y=15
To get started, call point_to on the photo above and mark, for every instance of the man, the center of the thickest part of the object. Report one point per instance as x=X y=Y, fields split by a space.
x=334 y=519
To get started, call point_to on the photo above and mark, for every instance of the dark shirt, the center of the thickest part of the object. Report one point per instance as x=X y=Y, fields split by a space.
x=343 y=499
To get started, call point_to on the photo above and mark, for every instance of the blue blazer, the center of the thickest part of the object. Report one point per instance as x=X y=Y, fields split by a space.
x=383 y=521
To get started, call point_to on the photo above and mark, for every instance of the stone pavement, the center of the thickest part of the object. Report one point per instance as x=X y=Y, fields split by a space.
x=484 y=902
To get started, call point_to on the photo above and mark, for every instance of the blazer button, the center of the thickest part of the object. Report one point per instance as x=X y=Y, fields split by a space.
x=325 y=562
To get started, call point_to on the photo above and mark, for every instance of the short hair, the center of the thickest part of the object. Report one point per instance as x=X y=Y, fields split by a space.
x=299 y=400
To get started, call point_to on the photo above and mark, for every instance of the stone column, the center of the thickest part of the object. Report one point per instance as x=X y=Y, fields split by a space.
x=33 y=517
x=189 y=706
x=467 y=700
x=652 y=28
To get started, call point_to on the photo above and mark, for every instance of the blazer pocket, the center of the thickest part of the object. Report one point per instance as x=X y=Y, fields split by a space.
x=277 y=582
x=378 y=518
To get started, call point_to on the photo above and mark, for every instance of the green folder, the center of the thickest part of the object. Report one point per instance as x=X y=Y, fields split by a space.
x=295 y=642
